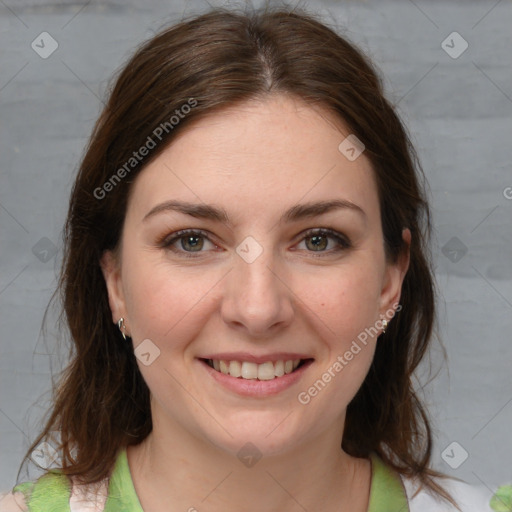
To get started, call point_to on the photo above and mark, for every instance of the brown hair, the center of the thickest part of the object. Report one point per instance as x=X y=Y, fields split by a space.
x=220 y=59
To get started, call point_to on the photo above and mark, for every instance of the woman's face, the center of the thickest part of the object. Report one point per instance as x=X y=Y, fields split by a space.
x=256 y=282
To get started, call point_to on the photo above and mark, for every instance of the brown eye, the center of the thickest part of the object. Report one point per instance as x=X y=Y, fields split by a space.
x=320 y=241
x=191 y=241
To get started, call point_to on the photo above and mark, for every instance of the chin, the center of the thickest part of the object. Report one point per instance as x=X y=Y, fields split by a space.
x=257 y=435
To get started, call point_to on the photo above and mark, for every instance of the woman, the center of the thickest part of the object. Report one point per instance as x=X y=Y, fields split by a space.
x=247 y=286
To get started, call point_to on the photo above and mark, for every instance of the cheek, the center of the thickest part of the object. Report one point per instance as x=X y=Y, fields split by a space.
x=345 y=307
x=345 y=299
x=165 y=303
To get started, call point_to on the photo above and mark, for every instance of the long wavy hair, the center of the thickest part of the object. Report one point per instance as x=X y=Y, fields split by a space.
x=221 y=59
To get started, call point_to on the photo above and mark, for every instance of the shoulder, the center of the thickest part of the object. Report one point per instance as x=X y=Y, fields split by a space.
x=49 y=492
x=12 y=502
x=470 y=498
x=55 y=492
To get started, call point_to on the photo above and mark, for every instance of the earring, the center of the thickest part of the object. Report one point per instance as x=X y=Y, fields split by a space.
x=122 y=328
x=384 y=325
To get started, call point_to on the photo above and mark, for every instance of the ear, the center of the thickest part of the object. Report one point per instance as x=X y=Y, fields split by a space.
x=112 y=274
x=394 y=276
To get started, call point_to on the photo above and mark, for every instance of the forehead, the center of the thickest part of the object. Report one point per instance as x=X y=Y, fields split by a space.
x=260 y=156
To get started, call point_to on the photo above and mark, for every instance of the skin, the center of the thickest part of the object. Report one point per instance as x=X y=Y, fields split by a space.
x=255 y=161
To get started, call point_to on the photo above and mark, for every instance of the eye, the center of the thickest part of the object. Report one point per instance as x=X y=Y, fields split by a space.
x=190 y=239
x=320 y=240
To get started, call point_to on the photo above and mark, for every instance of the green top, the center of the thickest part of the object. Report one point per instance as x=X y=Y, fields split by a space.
x=387 y=493
x=51 y=492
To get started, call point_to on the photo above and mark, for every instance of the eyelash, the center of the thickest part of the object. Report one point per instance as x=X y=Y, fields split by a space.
x=343 y=242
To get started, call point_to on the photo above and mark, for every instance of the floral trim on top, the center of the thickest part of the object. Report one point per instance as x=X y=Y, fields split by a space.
x=502 y=499
x=389 y=492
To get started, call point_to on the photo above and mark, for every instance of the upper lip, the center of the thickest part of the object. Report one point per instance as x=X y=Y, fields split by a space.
x=245 y=356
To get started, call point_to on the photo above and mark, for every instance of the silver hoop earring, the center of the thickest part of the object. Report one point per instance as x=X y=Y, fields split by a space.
x=122 y=328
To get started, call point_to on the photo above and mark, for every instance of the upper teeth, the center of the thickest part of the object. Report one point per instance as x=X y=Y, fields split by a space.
x=247 y=370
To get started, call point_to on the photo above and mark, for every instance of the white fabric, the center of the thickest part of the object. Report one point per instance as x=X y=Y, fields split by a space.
x=470 y=498
x=90 y=498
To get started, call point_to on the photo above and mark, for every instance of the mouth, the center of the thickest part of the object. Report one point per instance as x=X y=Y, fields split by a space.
x=247 y=370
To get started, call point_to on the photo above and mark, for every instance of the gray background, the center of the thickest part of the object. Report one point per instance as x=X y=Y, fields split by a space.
x=458 y=111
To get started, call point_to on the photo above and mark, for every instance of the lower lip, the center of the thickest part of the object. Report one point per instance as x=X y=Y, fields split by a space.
x=254 y=387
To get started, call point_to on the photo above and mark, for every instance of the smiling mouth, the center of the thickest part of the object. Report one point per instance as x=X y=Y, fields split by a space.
x=252 y=371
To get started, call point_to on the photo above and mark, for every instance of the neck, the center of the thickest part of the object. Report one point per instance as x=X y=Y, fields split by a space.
x=172 y=466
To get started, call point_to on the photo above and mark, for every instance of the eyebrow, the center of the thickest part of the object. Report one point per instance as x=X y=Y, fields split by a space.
x=293 y=214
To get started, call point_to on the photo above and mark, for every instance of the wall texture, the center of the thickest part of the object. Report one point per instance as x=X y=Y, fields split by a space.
x=446 y=65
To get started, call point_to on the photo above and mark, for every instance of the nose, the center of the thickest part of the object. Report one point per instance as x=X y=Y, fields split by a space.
x=257 y=299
